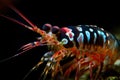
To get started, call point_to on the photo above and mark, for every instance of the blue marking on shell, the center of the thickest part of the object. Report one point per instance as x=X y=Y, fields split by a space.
x=88 y=35
x=90 y=29
x=87 y=25
x=64 y=41
x=103 y=35
x=80 y=37
x=95 y=37
x=79 y=28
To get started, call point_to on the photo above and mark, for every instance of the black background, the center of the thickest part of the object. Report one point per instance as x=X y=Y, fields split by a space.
x=13 y=36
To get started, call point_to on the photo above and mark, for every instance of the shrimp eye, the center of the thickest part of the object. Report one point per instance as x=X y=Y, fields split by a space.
x=55 y=29
x=47 y=27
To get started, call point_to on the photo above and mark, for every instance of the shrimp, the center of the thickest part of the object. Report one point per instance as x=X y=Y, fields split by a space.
x=74 y=50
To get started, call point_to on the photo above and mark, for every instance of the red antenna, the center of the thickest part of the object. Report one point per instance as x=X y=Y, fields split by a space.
x=21 y=15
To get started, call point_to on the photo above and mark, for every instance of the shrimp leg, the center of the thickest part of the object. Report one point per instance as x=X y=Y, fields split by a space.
x=46 y=57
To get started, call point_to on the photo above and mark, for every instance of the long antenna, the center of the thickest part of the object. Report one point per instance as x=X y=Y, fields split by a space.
x=32 y=26
x=21 y=15
x=16 y=21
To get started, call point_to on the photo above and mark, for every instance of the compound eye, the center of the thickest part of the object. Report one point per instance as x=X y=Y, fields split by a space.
x=47 y=27
x=55 y=29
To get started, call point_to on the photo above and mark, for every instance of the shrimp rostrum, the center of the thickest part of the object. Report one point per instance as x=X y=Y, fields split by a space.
x=73 y=50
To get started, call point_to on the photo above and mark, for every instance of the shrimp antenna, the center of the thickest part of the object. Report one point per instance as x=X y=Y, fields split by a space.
x=6 y=59
x=33 y=26
x=16 y=21
x=21 y=15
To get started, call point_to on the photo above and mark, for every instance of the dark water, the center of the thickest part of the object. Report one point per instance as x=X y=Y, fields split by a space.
x=13 y=36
